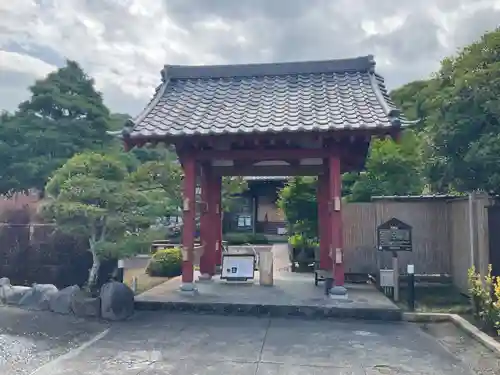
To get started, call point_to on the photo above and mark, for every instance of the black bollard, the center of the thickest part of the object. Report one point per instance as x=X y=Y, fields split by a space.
x=411 y=287
x=120 y=272
x=328 y=285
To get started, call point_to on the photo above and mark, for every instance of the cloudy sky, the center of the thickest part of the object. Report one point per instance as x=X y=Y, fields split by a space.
x=123 y=44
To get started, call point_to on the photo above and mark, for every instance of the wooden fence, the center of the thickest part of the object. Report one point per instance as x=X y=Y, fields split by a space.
x=446 y=239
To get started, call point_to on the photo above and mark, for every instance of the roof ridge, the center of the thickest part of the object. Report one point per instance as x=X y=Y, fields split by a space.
x=356 y=64
x=392 y=113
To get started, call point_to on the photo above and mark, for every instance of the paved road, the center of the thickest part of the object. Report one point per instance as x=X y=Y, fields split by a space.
x=160 y=343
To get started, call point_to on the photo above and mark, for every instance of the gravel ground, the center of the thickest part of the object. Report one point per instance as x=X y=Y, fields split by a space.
x=29 y=339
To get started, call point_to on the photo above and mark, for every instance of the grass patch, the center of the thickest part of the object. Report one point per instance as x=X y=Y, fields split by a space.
x=144 y=281
x=438 y=298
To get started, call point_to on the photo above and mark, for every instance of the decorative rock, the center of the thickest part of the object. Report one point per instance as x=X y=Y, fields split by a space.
x=85 y=306
x=11 y=295
x=4 y=288
x=38 y=297
x=60 y=302
x=117 y=301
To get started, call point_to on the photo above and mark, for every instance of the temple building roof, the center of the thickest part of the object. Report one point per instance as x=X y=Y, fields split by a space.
x=319 y=96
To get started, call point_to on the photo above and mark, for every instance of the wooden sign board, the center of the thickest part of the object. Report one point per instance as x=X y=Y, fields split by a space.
x=394 y=235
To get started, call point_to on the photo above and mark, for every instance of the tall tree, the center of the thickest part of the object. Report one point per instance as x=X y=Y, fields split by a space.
x=64 y=116
x=464 y=122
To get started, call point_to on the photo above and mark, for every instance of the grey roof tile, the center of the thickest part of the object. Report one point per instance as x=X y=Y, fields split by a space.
x=267 y=98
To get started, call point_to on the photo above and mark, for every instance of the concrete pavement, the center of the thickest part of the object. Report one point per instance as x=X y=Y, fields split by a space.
x=166 y=343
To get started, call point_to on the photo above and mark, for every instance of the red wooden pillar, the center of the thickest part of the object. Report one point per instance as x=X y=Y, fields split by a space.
x=325 y=261
x=207 y=260
x=335 y=195
x=188 y=218
x=217 y=218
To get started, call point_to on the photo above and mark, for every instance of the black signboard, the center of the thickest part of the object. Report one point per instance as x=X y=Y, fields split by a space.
x=394 y=235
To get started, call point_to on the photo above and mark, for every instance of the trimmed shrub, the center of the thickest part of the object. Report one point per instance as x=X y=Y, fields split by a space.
x=165 y=263
x=246 y=238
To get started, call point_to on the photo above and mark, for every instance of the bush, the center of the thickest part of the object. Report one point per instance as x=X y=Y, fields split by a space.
x=246 y=238
x=299 y=241
x=485 y=294
x=165 y=263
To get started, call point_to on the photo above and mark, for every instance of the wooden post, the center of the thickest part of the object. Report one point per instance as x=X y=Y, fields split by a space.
x=335 y=197
x=217 y=218
x=325 y=262
x=188 y=220
x=207 y=259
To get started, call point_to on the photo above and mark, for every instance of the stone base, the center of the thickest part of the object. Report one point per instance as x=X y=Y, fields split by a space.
x=188 y=288
x=205 y=277
x=338 y=292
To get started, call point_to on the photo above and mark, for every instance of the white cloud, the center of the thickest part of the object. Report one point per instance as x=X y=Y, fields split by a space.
x=22 y=63
x=123 y=44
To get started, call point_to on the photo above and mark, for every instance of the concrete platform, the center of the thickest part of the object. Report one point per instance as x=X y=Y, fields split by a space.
x=293 y=295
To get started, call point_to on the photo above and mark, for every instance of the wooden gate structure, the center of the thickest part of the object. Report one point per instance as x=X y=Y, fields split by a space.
x=284 y=119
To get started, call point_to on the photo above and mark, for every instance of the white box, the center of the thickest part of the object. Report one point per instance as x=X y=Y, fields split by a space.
x=386 y=278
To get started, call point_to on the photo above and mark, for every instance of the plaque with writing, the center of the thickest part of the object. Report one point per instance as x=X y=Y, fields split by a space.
x=394 y=235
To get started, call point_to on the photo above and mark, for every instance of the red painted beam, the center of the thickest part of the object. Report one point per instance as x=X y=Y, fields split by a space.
x=261 y=155
x=325 y=262
x=335 y=195
x=216 y=200
x=207 y=260
x=188 y=219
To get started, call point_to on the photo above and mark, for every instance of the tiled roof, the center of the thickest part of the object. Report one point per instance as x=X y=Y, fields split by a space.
x=267 y=98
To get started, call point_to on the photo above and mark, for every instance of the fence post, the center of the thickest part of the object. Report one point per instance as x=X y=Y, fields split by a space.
x=472 y=230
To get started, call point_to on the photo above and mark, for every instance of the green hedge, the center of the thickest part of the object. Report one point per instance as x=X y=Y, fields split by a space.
x=245 y=238
x=165 y=263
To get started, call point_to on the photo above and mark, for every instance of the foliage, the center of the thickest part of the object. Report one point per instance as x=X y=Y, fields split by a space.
x=485 y=292
x=297 y=200
x=298 y=241
x=161 y=181
x=391 y=169
x=231 y=187
x=165 y=263
x=64 y=116
x=459 y=108
x=91 y=195
x=245 y=238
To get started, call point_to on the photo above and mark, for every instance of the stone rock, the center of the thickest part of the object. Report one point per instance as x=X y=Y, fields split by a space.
x=85 y=306
x=60 y=302
x=11 y=295
x=4 y=288
x=38 y=297
x=117 y=301
x=4 y=281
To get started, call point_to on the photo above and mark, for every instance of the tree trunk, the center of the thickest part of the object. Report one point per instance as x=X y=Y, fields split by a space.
x=94 y=271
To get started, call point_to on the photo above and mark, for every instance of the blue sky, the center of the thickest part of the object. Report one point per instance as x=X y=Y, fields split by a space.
x=123 y=44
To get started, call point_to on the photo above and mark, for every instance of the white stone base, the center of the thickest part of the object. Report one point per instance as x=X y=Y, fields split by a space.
x=188 y=288
x=339 y=297
x=338 y=292
x=204 y=278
